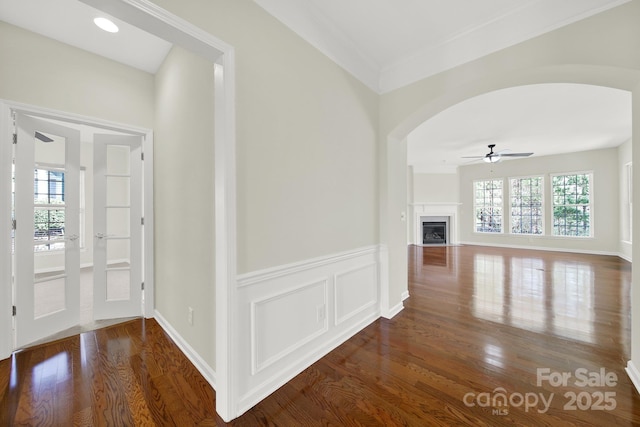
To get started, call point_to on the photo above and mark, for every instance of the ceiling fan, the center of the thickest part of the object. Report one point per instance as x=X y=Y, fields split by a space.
x=492 y=157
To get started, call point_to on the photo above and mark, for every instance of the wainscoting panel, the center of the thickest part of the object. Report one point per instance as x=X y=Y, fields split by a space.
x=274 y=334
x=290 y=316
x=355 y=291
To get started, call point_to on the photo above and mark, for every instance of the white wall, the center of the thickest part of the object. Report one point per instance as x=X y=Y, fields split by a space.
x=184 y=216
x=604 y=193
x=435 y=187
x=435 y=192
x=82 y=83
x=624 y=159
x=306 y=140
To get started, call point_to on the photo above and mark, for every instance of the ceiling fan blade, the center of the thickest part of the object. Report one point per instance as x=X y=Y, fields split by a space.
x=43 y=137
x=495 y=156
x=515 y=154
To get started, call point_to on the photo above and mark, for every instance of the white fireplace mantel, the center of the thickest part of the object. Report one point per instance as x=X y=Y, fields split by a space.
x=423 y=211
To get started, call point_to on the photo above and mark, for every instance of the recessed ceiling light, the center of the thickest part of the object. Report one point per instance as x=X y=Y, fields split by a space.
x=106 y=25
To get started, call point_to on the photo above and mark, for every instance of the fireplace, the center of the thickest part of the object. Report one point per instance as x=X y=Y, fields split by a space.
x=434 y=232
x=434 y=212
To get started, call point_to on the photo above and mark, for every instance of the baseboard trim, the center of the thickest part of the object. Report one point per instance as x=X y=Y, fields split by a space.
x=634 y=374
x=203 y=367
x=543 y=248
x=393 y=311
x=624 y=257
x=405 y=295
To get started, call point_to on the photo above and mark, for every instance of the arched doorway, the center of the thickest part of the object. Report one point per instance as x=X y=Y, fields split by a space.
x=408 y=115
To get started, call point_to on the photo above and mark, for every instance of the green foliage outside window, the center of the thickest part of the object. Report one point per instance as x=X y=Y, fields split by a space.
x=572 y=205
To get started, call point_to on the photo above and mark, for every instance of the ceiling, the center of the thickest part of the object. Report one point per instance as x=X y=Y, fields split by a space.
x=389 y=44
x=71 y=22
x=544 y=119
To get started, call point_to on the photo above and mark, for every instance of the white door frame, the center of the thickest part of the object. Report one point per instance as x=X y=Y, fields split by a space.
x=7 y=339
x=158 y=21
x=6 y=294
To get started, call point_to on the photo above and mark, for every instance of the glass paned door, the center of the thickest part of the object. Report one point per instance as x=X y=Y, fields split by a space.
x=47 y=214
x=117 y=226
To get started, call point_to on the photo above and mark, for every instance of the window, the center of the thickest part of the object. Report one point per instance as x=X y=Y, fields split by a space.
x=527 y=211
x=49 y=208
x=488 y=206
x=572 y=204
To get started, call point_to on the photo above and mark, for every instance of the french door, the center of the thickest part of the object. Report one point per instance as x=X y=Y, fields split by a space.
x=118 y=226
x=51 y=218
x=47 y=228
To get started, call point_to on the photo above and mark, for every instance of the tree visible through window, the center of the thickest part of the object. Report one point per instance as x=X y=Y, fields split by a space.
x=527 y=211
x=488 y=206
x=572 y=205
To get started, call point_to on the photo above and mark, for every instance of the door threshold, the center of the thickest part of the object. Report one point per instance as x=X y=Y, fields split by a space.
x=77 y=330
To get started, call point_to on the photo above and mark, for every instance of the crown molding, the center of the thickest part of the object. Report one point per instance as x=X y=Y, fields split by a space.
x=313 y=26
x=521 y=23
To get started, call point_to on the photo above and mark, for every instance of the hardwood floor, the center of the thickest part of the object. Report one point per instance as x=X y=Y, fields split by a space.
x=129 y=374
x=481 y=324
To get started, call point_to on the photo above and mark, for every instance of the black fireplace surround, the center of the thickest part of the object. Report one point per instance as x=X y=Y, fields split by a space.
x=434 y=233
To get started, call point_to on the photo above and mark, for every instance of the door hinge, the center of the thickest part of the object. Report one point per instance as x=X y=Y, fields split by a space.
x=141 y=156
x=142 y=286
x=14 y=311
x=15 y=138
x=142 y=221
x=13 y=223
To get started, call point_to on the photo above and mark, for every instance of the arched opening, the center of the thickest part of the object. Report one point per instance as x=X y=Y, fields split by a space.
x=393 y=209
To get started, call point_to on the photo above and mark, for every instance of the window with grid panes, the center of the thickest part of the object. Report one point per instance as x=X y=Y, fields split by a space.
x=49 y=207
x=527 y=210
x=572 y=199
x=488 y=206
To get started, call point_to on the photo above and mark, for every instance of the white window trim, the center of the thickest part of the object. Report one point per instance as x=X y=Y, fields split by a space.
x=591 y=204
x=484 y=233
x=544 y=207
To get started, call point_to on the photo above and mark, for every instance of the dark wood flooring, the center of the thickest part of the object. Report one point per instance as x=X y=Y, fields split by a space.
x=481 y=342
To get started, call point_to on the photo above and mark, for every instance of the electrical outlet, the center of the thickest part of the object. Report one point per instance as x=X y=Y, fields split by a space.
x=320 y=313
x=190 y=316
